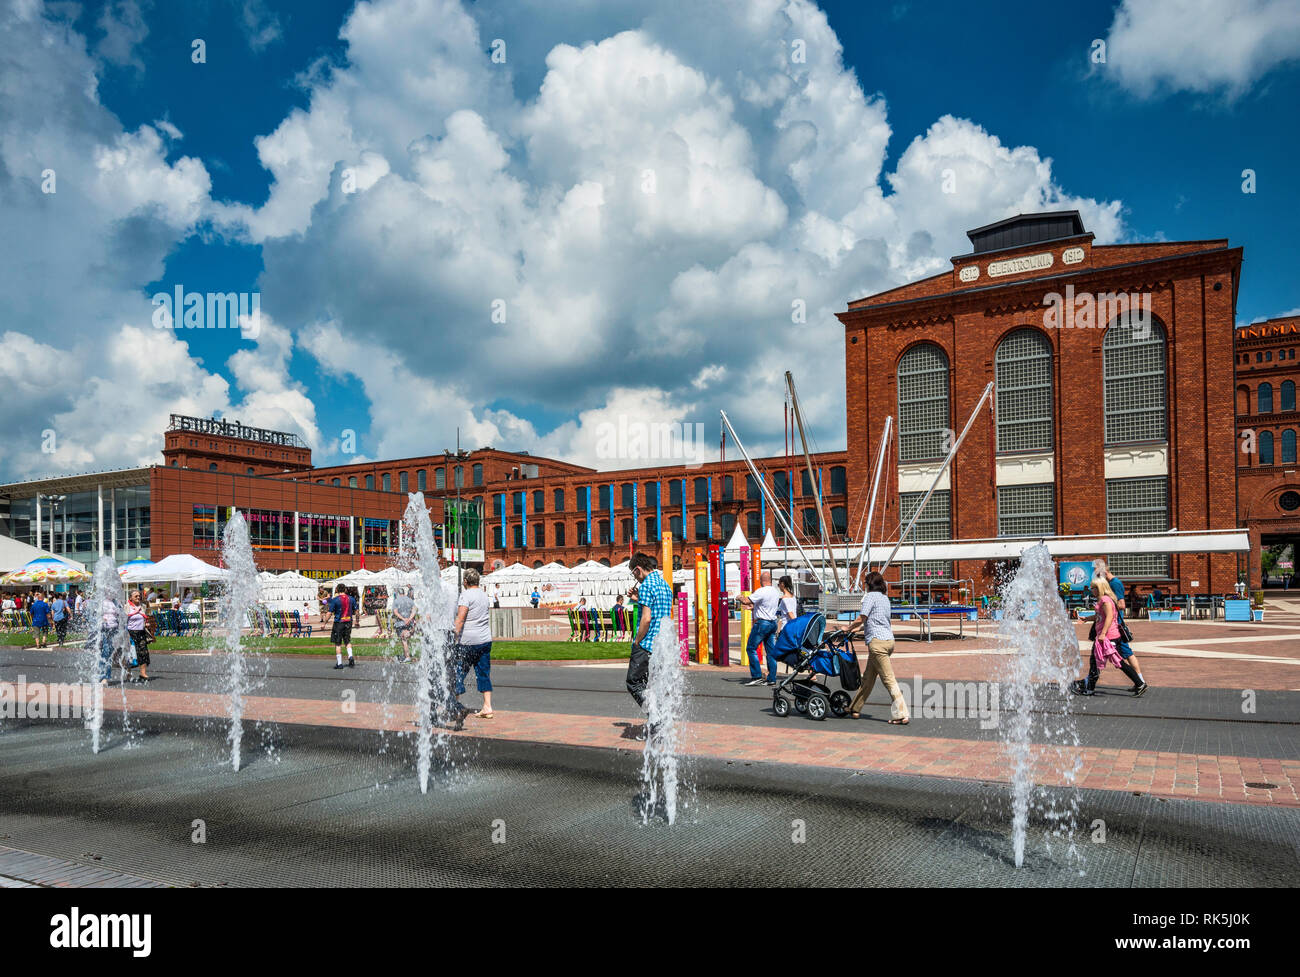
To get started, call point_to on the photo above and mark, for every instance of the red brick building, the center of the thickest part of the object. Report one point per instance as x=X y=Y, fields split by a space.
x=536 y=509
x=1113 y=408
x=1268 y=476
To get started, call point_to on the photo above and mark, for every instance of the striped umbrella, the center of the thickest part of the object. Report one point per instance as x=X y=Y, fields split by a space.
x=45 y=569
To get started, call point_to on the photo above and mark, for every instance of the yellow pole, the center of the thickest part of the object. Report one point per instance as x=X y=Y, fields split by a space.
x=701 y=612
x=744 y=631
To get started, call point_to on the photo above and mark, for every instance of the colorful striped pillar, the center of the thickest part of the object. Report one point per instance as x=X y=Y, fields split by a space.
x=683 y=627
x=701 y=611
x=715 y=595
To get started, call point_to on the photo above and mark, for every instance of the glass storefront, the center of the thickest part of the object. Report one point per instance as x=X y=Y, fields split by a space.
x=69 y=524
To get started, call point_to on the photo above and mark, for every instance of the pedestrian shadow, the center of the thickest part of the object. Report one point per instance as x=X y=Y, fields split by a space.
x=632 y=731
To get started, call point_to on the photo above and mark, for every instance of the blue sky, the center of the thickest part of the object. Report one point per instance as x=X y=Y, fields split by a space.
x=783 y=181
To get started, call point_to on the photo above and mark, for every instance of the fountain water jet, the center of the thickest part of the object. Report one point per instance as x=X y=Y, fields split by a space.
x=433 y=638
x=1035 y=724
x=665 y=699
x=239 y=594
x=106 y=641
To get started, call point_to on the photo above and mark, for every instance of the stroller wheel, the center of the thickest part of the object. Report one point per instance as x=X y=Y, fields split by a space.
x=818 y=706
x=780 y=706
x=800 y=705
x=840 y=703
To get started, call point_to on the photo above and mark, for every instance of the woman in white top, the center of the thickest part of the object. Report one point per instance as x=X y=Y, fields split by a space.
x=874 y=622
x=474 y=643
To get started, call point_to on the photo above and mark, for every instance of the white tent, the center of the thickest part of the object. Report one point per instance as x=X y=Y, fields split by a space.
x=735 y=543
x=15 y=554
x=177 y=568
x=288 y=591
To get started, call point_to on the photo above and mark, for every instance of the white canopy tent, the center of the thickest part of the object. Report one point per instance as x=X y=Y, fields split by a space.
x=15 y=554
x=181 y=568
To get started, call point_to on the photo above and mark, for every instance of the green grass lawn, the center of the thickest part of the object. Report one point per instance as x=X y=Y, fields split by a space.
x=370 y=647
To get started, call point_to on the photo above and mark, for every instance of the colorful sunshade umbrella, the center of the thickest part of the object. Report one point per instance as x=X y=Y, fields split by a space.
x=45 y=569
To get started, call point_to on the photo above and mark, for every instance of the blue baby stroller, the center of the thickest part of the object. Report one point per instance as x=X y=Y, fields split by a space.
x=801 y=645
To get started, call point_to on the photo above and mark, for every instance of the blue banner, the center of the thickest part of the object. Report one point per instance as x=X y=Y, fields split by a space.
x=708 y=482
x=523 y=511
x=659 y=509
x=636 y=537
x=683 y=510
x=502 y=497
x=589 y=489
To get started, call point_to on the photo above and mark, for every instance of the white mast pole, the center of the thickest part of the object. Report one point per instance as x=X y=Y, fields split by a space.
x=762 y=484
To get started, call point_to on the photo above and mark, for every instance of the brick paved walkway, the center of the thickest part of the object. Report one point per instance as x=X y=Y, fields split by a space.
x=1198 y=777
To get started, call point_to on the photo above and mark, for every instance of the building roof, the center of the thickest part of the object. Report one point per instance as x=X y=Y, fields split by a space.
x=83 y=482
x=1014 y=232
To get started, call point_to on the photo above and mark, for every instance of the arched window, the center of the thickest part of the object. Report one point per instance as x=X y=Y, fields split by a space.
x=1266 y=448
x=440 y=478
x=839 y=483
x=478 y=474
x=922 y=403
x=1133 y=380
x=1265 y=398
x=403 y=483
x=1288 y=447
x=421 y=480
x=1288 y=395
x=1023 y=365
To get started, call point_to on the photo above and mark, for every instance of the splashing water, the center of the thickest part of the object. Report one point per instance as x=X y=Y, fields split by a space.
x=106 y=642
x=433 y=639
x=1037 y=728
x=239 y=594
x=665 y=700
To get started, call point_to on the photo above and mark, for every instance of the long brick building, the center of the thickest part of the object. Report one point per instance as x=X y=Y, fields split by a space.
x=1119 y=404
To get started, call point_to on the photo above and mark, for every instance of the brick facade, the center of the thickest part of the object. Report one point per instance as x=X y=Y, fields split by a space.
x=1193 y=288
x=1266 y=357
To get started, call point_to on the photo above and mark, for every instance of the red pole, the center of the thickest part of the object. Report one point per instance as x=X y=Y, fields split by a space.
x=715 y=598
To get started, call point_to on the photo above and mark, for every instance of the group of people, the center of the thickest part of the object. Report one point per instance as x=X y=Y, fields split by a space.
x=54 y=612
x=135 y=654
x=472 y=638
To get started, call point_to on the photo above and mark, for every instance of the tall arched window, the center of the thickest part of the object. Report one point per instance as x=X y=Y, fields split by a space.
x=1265 y=398
x=1133 y=378
x=1288 y=447
x=1288 y=395
x=1266 y=448
x=1023 y=365
x=922 y=403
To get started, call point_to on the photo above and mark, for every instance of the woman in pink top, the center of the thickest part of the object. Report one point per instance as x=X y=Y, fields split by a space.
x=1105 y=634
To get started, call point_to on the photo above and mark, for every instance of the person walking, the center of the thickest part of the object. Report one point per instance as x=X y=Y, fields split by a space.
x=762 y=630
x=535 y=598
x=341 y=608
x=137 y=631
x=656 y=598
x=474 y=643
x=1105 y=650
x=40 y=612
x=404 y=621
x=873 y=620
x=1125 y=650
x=62 y=612
x=111 y=621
